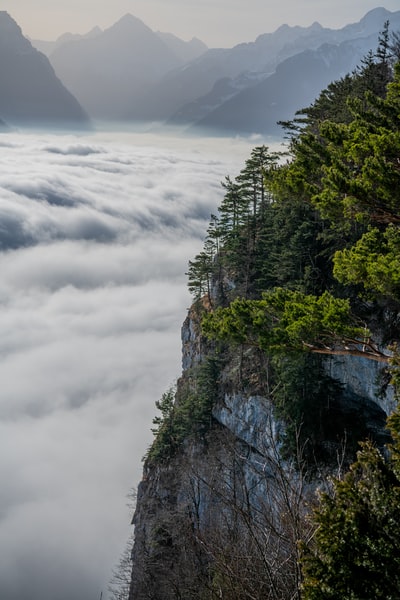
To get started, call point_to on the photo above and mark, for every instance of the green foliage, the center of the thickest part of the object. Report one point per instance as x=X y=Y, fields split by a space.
x=301 y=231
x=361 y=178
x=374 y=262
x=311 y=403
x=290 y=250
x=355 y=555
x=168 y=428
x=302 y=320
x=286 y=320
x=234 y=234
x=393 y=423
x=186 y=411
x=331 y=104
x=345 y=165
x=348 y=167
x=345 y=151
x=199 y=275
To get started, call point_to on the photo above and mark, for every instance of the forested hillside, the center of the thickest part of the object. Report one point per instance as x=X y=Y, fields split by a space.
x=256 y=485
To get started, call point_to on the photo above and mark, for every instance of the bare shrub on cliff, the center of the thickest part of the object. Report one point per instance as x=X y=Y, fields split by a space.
x=121 y=576
x=119 y=586
x=257 y=514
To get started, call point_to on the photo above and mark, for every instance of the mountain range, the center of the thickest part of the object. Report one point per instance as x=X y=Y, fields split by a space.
x=31 y=93
x=130 y=73
x=257 y=108
x=251 y=86
x=109 y=71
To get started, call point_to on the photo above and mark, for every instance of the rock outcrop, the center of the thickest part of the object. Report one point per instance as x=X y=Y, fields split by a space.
x=233 y=480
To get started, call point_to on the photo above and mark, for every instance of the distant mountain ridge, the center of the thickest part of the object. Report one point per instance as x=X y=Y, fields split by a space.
x=130 y=73
x=219 y=88
x=30 y=92
x=185 y=51
x=109 y=71
x=48 y=47
x=297 y=81
x=220 y=76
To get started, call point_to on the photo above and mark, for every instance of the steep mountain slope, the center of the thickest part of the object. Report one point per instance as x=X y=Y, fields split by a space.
x=108 y=71
x=30 y=92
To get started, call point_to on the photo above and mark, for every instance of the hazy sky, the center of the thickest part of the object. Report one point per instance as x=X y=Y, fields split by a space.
x=216 y=22
x=95 y=238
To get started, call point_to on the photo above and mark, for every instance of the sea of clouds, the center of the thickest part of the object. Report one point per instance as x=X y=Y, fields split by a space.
x=95 y=236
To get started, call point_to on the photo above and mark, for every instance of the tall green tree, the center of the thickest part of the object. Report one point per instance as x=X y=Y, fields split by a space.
x=361 y=178
x=285 y=321
x=200 y=274
x=373 y=262
x=355 y=554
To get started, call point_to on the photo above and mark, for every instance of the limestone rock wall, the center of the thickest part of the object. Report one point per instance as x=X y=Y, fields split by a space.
x=184 y=502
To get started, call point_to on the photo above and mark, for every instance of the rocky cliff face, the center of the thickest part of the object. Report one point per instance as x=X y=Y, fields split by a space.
x=231 y=483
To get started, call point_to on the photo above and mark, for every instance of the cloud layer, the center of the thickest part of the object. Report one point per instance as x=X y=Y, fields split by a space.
x=95 y=235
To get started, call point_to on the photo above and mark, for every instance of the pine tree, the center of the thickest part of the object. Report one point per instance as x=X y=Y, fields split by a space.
x=356 y=550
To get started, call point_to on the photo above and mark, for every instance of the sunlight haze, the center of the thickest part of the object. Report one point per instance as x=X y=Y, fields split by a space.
x=222 y=23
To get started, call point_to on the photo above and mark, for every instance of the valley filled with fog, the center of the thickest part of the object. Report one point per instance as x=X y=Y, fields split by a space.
x=96 y=233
